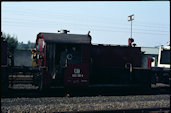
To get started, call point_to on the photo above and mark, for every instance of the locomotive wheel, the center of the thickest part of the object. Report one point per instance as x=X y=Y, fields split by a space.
x=40 y=83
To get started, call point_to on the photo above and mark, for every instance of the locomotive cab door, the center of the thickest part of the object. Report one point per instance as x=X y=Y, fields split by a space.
x=76 y=63
x=68 y=64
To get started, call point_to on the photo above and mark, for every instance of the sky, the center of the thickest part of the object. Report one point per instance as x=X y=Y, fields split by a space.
x=107 y=21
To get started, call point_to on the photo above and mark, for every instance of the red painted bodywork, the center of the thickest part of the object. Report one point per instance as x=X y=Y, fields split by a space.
x=115 y=56
x=149 y=63
x=93 y=58
x=41 y=50
x=68 y=79
x=84 y=69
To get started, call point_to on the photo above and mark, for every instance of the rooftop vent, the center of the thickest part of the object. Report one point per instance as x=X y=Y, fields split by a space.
x=63 y=31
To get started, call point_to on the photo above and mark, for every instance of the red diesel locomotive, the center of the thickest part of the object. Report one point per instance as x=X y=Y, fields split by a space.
x=70 y=60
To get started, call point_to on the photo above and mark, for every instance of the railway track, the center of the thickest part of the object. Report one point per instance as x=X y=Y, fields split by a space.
x=98 y=104
x=30 y=91
x=147 y=110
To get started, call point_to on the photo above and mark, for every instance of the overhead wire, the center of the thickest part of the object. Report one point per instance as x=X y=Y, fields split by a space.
x=111 y=27
x=95 y=29
x=89 y=22
x=71 y=15
x=157 y=32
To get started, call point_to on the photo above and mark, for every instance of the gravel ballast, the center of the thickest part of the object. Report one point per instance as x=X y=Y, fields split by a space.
x=76 y=104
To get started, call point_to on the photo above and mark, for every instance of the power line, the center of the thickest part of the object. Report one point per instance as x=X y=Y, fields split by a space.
x=52 y=21
x=151 y=26
x=28 y=25
x=112 y=27
x=96 y=29
x=52 y=14
x=153 y=23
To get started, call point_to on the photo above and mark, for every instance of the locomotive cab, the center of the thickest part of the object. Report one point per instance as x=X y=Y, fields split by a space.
x=60 y=58
x=64 y=57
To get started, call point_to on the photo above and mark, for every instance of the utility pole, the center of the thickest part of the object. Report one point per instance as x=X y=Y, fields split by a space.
x=131 y=18
x=130 y=40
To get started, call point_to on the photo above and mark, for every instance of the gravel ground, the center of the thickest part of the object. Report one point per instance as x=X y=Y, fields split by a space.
x=77 y=104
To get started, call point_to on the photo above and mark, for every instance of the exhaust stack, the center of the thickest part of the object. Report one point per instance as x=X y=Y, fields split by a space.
x=63 y=31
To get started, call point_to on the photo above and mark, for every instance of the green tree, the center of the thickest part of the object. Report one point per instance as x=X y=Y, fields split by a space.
x=12 y=44
x=11 y=40
x=31 y=45
x=23 y=46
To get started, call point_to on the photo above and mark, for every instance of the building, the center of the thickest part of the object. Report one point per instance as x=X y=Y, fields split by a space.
x=149 y=52
x=22 y=58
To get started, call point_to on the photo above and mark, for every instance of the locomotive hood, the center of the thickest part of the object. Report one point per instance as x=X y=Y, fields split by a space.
x=64 y=38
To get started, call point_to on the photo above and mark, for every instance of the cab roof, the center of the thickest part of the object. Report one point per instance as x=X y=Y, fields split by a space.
x=64 y=38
